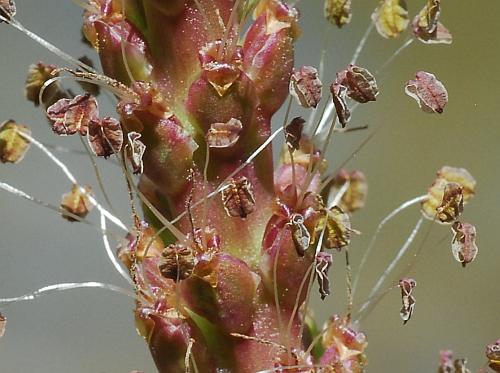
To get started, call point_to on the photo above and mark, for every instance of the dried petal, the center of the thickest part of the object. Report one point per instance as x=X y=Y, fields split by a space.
x=391 y=18
x=224 y=135
x=135 y=152
x=13 y=146
x=238 y=198
x=76 y=202
x=338 y=229
x=428 y=91
x=3 y=323
x=178 y=262
x=435 y=194
x=463 y=245
x=452 y=205
x=300 y=234
x=306 y=87
x=339 y=94
x=105 y=137
x=493 y=355
x=360 y=83
x=426 y=26
x=338 y=12
x=323 y=263
x=7 y=9
x=38 y=74
x=69 y=116
x=293 y=132
x=407 y=285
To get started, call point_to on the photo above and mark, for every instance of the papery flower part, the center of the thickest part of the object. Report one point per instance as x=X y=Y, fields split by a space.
x=3 y=323
x=7 y=9
x=338 y=12
x=338 y=229
x=426 y=25
x=306 y=86
x=391 y=18
x=452 y=205
x=69 y=116
x=76 y=202
x=224 y=135
x=493 y=355
x=463 y=245
x=430 y=94
x=38 y=74
x=339 y=95
x=135 y=152
x=300 y=234
x=354 y=197
x=323 y=263
x=13 y=146
x=293 y=132
x=407 y=285
x=238 y=198
x=360 y=83
x=105 y=137
x=177 y=262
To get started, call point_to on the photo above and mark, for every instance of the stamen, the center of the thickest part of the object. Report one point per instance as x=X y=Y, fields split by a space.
x=72 y=179
x=259 y=340
x=4 y=302
x=362 y=43
x=393 y=264
x=187 y=363
x=381 y=225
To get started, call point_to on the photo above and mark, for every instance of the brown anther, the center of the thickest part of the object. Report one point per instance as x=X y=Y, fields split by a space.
x=428 y=91
x=224 y=135
x=407 y=285
x=238 y=198
x=339 y=95
x=463 y=245
x=105 y=137
x=293 y=132
x=177 y=262
x=436 y=192
x=7 y=9
x=76 y=202
x=360 y=83
x=69 y=116
x=135 y=152
x=306 y=86
x=452 y=204
x=300 y=234
x=13 y=146
x=338 y=12
x=323 y=263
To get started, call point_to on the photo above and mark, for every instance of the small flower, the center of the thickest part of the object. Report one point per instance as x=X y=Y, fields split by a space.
x=407 y=285
x=69 y=116
x=428 y=91
x=238 y=198
x=293 y=132
x=224 y=135
x=323 y=263
x=105 y=137
x=463 y=245
x=391 y=18
x=306 y=86
x=360 y=83
x=338 y=12
x=13 y=146
x=76 y=202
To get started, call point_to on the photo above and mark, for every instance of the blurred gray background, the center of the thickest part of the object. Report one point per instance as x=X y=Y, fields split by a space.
x=93 y=330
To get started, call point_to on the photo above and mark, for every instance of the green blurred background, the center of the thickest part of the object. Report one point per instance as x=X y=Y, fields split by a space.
x=92 y=331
